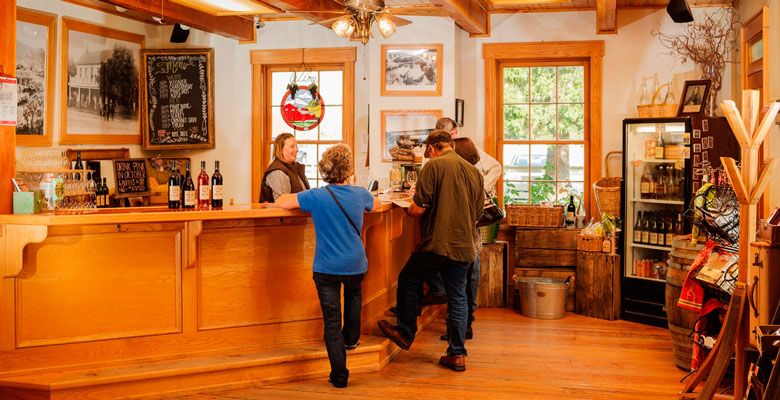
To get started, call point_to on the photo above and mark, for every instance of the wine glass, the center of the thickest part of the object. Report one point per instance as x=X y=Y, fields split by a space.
x=411 y=178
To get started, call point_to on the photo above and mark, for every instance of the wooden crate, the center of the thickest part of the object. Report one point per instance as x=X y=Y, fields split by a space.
x=491 y=275
x=551 y=247
x=559 y=273
x=598 y=285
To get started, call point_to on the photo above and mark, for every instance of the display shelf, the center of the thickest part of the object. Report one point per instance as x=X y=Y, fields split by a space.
x=651 y=246
x=654 y=201
x=646 y=278
x=662 y=160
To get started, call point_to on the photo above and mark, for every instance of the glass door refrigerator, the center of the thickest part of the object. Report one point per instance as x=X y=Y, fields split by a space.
x=656 y=193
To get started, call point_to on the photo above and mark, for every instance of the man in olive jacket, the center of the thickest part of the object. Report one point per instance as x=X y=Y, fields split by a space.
x=448 y=199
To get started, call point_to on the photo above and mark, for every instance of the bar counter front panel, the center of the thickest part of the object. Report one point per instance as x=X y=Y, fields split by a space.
x=112 y=288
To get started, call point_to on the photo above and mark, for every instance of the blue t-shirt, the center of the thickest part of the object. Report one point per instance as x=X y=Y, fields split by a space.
x=339 y=249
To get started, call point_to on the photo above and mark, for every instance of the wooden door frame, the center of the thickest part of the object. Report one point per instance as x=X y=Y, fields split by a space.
x=261 y=60
x=591 y=51
x=758 y=24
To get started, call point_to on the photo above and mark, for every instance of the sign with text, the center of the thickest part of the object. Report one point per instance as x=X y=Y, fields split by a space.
x=131 y=176
x=177 y=98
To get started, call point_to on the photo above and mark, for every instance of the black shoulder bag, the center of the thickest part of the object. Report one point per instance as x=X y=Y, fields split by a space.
x=491 y=213
x=344 y=211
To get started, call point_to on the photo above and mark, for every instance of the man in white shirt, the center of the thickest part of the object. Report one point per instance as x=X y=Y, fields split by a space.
x=488 y=166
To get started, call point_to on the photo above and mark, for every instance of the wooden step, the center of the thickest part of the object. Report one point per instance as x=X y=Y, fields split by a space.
x=231 y=369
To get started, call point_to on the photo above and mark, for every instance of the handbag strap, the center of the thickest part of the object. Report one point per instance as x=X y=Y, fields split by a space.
x=342 y=210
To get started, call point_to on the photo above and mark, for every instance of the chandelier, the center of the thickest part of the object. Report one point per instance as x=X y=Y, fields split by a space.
x=357 y=25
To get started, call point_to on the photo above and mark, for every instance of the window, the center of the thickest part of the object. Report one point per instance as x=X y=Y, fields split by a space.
x=314 y=142
x=543 y=131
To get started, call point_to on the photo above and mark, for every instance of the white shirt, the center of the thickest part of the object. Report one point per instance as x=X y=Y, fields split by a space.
x=490 y=169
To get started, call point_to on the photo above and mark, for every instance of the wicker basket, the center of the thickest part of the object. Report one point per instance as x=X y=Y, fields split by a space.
x=608 y=195
x=589 y=243
x=658 y=110
x=526 y=215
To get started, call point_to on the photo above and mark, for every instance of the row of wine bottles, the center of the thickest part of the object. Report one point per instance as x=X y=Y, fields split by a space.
x=662 y=182
x=182 y=192
x=657 y=227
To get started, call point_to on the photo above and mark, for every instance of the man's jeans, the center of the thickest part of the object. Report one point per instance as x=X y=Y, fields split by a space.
x=419 y=267
x=329 y=292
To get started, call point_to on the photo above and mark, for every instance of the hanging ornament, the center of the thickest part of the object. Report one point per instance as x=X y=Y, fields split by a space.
x=302 y=109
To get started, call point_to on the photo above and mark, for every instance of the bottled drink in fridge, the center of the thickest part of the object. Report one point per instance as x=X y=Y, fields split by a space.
x=653 y=235
x=188 y=190
x=638 y=228
x=216 y=187
x=204 y=188
x=174 y=190
x=646 y=227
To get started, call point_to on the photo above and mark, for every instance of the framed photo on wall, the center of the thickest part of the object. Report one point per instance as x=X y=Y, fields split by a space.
x=405 y=129
x=694 y=97
x=100 y=84
x=411 y=70
x=36 y=46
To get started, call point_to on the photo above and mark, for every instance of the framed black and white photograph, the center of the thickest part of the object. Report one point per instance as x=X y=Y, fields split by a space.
x=100 y=84
x=36 y=44
x=411 y=70
x=459 y=107
x=403 y=130
x=694 y=98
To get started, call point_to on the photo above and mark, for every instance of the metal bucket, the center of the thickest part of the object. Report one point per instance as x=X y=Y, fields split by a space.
x=543 y=298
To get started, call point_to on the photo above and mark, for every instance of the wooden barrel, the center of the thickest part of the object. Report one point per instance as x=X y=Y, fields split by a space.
x=681 y=321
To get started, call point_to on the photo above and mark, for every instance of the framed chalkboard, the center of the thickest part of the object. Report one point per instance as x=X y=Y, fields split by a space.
x=131 y=177
x=177 y=99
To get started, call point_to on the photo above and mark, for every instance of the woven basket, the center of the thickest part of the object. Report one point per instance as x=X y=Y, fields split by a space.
x=589 y=243
x=658 y=110
x=608 y=195
x=526 y=215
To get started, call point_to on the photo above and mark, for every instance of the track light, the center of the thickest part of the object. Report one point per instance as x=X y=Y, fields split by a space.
x=180 y=33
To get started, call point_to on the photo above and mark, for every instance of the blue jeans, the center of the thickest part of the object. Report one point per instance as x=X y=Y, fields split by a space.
x=417 y=269
x=436 y=285
x=329 y=292
x=473 y=288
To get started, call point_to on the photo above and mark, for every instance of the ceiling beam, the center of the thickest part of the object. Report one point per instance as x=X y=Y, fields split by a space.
x=606 y=16
x=306 y=8
x=470 y=15
x=234 y=27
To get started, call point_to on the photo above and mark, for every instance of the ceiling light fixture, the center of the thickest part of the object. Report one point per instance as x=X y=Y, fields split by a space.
x=357 y=25
x=120 y=9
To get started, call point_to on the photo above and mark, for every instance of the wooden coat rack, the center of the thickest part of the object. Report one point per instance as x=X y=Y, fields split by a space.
x=748 y=186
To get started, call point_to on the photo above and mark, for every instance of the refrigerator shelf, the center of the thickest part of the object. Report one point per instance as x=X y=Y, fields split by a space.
x=662 y=160
x=653 y=201
x=647 y=278
x=651 y=246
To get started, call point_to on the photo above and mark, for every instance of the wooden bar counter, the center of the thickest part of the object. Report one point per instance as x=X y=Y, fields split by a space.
x=148 y=301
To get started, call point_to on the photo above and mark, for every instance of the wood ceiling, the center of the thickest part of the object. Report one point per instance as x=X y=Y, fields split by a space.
x=471 y=15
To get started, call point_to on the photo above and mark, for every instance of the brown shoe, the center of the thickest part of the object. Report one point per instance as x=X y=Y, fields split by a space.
x=456 y=363
x=391 y=332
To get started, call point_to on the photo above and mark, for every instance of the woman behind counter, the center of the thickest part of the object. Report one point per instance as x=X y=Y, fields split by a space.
x=339 y=257
x=284 y=174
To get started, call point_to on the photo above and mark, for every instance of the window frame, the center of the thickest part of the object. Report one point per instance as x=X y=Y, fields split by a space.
x=590 y=52
x=501 y=142
x=263 y=63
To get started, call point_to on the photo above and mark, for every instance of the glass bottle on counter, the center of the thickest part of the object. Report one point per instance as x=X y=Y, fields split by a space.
x=216 y=188
x=78 y=164
x=570 y=212
x=188 y=190
x=104 y=193
x=204 y=188
x=174 y=189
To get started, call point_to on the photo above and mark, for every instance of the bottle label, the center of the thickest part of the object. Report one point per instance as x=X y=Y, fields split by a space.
x=659 y=152
x=645 y=187
x=653 y=238
x=637 y=236
x=645 y=236
x=174 y=193
x=204 y=192
x=669 y=238
x=570 y=216
x=189 y=198
x=217 y=192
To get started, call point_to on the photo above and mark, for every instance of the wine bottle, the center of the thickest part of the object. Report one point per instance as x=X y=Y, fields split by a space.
x=646 y=228
x=188 y=188
x=104 y=193
x=216 y=188
x=661 y=231
x=644 y=187
x=638 y=227
x=669 y=231
x=204 y=190
x=679 y=228
x=653 y=235
x=659 y=145
x=660 y=182
x=78 y=164
x=174 y=190
x=570 y=212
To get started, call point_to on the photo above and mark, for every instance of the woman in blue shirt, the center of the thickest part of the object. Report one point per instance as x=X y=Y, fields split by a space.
x=339 y=257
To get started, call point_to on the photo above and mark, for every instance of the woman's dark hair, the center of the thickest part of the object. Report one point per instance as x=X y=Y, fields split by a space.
x=279 y=144
x=466 y=149
x=336 y=164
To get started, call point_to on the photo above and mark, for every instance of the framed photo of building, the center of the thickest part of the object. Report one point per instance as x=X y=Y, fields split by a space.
x=694 y=98
x=100 y=84
x=403 y=130
x=411 y=70
x=36 y=46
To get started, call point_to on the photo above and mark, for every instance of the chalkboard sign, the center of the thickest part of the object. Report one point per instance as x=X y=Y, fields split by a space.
x=177 y=99
x=131 y=177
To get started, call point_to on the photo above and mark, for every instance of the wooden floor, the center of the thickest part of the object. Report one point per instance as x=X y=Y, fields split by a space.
x=511 y=357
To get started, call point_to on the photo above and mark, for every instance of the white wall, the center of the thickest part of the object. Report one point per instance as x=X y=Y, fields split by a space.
x=629 y=55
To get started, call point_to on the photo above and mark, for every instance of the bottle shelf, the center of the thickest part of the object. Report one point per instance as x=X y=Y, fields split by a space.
x=654 y=201
x=651 y=246
x=661 y=160
x=646 y=278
